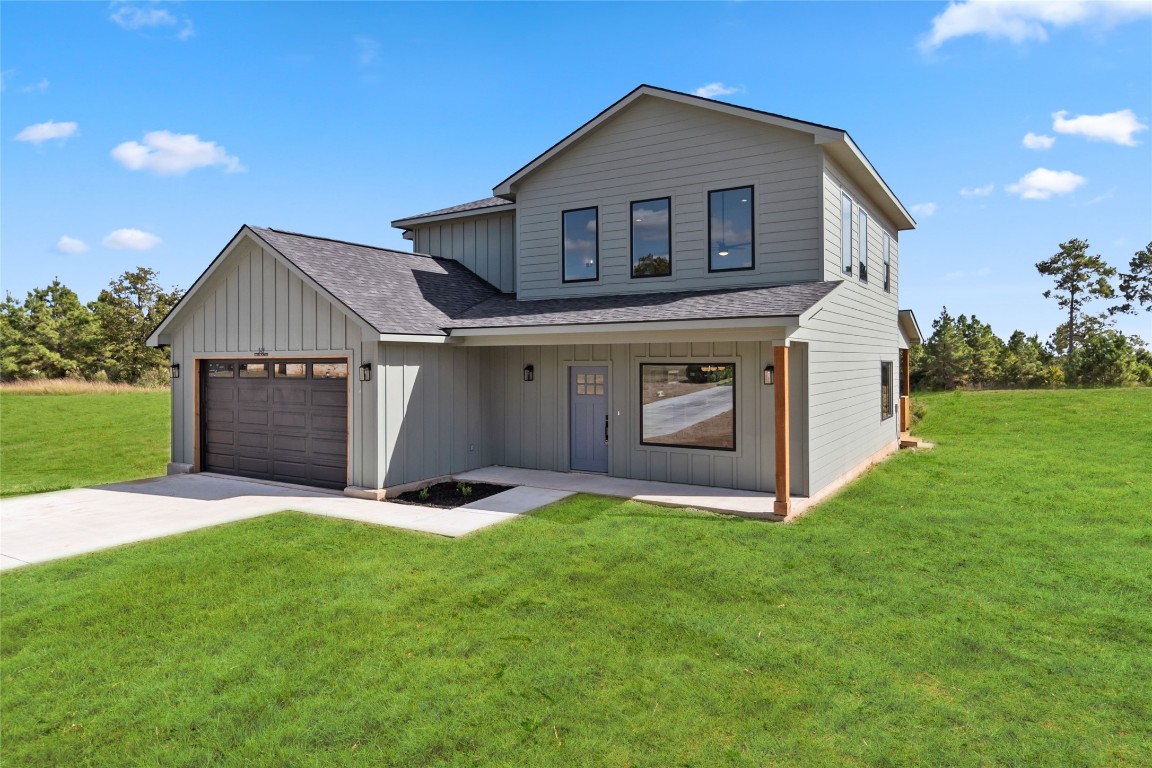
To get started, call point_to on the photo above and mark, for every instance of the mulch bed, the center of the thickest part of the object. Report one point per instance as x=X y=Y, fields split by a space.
x=447 y=495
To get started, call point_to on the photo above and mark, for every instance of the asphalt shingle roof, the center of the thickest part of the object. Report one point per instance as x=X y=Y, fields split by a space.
x=408 y=293
x=488 y=202
x=504 y=311
x=394 y=291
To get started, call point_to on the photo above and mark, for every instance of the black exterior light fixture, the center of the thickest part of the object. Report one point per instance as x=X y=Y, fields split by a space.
x=769 y=374
x=175 y=368
x=366 y=372
x=529 y=373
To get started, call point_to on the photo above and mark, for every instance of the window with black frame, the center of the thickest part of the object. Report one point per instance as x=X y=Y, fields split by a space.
x=885 y=390
x=887 y=262
x=651 y=226
x=689 y=405
x=730 y=230
x=581 y=245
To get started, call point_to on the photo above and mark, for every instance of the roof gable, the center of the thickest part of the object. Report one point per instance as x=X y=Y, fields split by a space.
x=835 y=140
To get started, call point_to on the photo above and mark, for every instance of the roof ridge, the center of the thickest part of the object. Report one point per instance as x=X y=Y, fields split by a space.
x=343 y=242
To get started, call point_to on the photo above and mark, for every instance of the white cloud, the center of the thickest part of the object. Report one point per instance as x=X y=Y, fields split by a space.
x=70 y=245
x=1042 y=183
x=712 y=90
x=924 y=209
x=40 y=87
x=168 y=153
x=367 y=50
x=41 y=132
x=1116 y=127
x=983 y=191
x=131 y=240
x=1038 y=141
x=137 y=17
x=953 y=275
x=1022 y=20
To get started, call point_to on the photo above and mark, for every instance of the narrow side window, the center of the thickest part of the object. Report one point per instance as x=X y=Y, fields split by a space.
x=863 y=246
x=885 y=391
x=887 y=262
x=846 y=233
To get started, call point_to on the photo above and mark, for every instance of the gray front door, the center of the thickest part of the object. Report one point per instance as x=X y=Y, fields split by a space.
x=588 y=388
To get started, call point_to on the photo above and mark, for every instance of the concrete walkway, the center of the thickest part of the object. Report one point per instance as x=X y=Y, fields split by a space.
x=49 y=526
x=727 y=500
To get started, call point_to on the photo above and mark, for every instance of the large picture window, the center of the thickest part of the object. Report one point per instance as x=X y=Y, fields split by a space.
x=730 y=230
x=581 y=245
x=652 y=238
x=688 y=405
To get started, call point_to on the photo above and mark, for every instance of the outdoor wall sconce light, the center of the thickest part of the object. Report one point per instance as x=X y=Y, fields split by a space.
x=366 y=372
x=529 y=373
x=769 y=374
x=175 y=370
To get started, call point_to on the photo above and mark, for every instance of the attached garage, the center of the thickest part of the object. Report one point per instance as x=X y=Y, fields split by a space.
x=284 y=420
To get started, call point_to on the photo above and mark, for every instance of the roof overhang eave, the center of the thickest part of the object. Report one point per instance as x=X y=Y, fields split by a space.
x=415 y=221
x=741 y=323
x=845 y=152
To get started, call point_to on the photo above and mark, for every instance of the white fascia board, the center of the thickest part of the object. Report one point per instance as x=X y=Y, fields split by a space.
x=412 y=223
x=910 y=327
x=634 y=335
x=414 y=338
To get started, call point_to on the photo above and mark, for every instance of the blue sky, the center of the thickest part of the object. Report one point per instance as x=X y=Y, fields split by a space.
x=147 y=133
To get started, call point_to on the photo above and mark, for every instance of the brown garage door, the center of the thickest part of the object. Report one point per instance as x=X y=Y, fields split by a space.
x=283 y=420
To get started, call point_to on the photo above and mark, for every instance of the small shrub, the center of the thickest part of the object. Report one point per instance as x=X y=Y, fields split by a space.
x=916 y=411
x=464 y=489
x=424 y=493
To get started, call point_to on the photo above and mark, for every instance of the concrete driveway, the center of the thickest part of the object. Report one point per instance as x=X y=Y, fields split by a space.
x=49 y=526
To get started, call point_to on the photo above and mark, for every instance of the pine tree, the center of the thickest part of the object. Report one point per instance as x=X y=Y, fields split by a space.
x=1080 y=278
x=127 y=312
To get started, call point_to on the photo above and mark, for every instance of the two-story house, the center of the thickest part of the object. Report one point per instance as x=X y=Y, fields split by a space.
x=680 y=290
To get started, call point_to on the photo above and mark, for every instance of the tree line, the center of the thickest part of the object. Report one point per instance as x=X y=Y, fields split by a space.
x=53 y=335
x=1084 y=350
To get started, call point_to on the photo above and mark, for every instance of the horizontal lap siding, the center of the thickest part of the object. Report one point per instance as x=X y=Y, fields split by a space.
x=659 y=149
x=484 y=244
x=254 y=301
x=849 y=338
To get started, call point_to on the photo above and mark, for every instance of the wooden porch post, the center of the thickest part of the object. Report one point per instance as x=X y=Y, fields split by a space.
x=783 y=503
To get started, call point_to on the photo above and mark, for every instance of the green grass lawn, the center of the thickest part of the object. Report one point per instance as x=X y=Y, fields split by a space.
x=988 y=602
x=54 y=441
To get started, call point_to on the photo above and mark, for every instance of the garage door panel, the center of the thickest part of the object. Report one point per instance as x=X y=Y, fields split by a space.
x=250 y=464
x=327 y=447
x=249 y=416
x=297 y=395
x=330 y=398
x=325 y=423
x=252 y=439
x=292 y=429
x=292 y=443
x=290 y=419
x=253 y=391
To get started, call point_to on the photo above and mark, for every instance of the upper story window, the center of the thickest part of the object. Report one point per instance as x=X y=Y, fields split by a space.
x=846 y=233
x=652 y=238
x=887 y=262
x=730 y=229
x=863 y=245
x=581 y=245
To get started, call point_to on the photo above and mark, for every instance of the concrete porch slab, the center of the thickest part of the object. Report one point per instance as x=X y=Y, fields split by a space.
x=725 y=500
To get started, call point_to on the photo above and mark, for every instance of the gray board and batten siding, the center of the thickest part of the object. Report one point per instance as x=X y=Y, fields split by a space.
x=484 y=243
x=255 y=301
x=658 y=148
